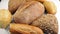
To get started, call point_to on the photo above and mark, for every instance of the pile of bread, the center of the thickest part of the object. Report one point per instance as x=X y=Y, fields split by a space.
x=33 y=17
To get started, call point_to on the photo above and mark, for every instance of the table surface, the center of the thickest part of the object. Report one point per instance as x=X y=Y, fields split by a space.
x=4 y=5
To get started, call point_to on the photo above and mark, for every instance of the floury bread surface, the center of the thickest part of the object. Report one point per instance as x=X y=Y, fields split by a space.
x=28 y=13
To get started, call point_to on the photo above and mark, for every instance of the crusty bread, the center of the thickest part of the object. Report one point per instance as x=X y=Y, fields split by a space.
x=50 y=7
x=48 y=23
x=5 y=18
x=29 y=12
x=36 y=0
x=41 y=0
x=14 y=4
x=29 y=0
x=25 y=29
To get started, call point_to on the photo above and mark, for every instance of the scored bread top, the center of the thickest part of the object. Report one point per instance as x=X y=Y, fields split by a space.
x=29 y=12
x=25 y=29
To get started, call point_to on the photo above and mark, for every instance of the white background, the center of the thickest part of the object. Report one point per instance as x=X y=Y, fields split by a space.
x=4 y=5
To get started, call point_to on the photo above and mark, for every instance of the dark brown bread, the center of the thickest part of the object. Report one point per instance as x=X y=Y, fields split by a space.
x=29 y=12
x=48 y=23
x=24 y=29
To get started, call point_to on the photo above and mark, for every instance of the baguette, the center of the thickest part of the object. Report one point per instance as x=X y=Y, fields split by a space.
x=25 y=29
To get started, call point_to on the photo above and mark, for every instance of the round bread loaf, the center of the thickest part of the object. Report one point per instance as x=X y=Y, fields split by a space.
x=24 y=29
x=48 y=23
x=29 y=12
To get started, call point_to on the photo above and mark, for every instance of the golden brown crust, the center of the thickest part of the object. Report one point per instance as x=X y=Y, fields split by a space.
x=5 y=18
x=25 y=29
x=36 y=0
x=29 y=0
x=14 y=4
x=50 y=7
x=41 y=0
x=29 y=12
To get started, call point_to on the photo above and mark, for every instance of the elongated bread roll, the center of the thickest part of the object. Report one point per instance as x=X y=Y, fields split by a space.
x=50 y=7
x=14 y=4
x=5 y=18
x=36 y=0
x=41 y=0
x=29 y=12
x=25 y=29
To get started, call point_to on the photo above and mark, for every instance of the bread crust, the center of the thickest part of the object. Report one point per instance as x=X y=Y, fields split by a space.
x=25 y=29
x=14 y=4
x=41 y=0
x=29 y=12
x=48 y=23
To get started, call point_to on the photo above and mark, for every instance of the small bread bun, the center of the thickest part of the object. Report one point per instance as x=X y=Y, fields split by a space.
x=25 y=29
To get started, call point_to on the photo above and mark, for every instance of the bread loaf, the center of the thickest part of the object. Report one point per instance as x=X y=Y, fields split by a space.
x=5 y=18
x=24 y=29
x=29 y=12
x=14 y=4
x=50 y=7
x=48 y=23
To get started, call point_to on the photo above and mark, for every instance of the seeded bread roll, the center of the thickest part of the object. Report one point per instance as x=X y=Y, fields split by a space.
x=29 y=12
x=14 y=4
x=25 y=29
x=48 y=23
